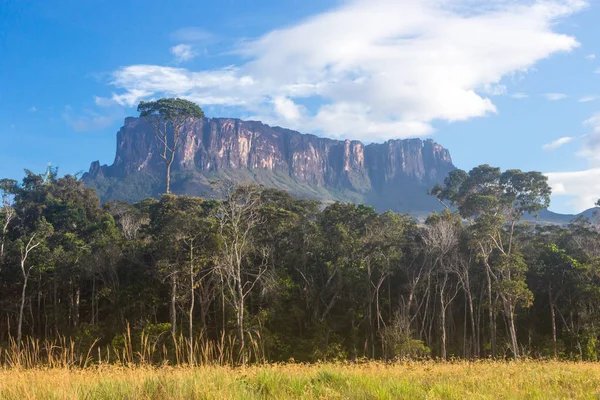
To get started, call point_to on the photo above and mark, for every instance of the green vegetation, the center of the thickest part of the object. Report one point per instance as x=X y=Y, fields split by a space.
x=261 y=276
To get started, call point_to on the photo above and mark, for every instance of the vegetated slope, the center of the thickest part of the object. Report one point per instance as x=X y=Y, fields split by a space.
x=550 y=217
x=392 y=175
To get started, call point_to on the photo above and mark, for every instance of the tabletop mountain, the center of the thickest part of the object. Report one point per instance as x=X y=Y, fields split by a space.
x=392 y=175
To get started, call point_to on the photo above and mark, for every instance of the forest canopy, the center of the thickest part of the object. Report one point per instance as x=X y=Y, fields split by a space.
x=285 y=278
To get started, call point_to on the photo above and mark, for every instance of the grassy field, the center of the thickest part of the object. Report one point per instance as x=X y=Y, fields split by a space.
x=413 y=380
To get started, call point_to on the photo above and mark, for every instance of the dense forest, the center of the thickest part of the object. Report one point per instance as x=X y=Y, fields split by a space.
x=260 y=275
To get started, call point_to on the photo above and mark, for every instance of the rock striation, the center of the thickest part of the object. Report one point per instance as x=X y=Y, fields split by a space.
x=392 y=175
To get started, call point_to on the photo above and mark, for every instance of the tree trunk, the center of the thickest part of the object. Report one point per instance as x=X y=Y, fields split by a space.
x=168 y=183
x=191 y=321
x=369 y=315
x=491 y=314
x=473 y=331
x=513 y=330
x=77 y=301
x=173 y=310
x=21 y=310
x=240 y=324
x=553 y=315
x=466 y=354
x=443 y=319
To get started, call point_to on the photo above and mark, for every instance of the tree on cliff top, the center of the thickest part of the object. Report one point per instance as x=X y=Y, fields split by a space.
x=166 y=116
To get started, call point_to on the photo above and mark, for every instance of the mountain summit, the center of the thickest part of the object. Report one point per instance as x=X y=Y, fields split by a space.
x=393 y=175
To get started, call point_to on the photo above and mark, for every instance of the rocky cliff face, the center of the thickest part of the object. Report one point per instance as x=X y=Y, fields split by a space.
x=392 y=175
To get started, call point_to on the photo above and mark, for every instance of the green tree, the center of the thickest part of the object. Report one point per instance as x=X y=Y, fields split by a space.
x=168 y=118
x=495 y=202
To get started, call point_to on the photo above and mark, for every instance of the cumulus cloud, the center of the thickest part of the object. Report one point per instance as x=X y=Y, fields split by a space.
x=286 y=108
x=554 y=96
x=582 y=186
x=183 y=52
x=373 y=69
x=557 y=143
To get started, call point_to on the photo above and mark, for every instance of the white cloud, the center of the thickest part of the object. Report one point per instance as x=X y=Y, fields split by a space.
x=582 y=186
x=587 y=99
x=590 y=57
x=495 y=90
x=183 y=52
x=519 y=96
x=597 y=71
x=557 y=143
x=591 y=143
x=374 y=69
x=32 y=109
x=104 y=102
x=286 y=108
x=555 y=96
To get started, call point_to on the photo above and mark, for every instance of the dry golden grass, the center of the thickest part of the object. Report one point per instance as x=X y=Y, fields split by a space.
x=410 y=380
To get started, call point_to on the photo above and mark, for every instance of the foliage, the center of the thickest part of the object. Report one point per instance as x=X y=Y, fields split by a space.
x=260 y=275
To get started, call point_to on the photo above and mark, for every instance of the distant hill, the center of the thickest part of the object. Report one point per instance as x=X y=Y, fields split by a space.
x=549 y=217
x=392 y=175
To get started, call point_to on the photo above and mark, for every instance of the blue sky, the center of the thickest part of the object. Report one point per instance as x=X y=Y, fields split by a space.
x=512 y=83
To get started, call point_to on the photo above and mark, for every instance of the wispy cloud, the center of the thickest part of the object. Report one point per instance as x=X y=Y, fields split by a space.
x=557 y=143
x=400 y=67
x=591 y=143
x=104 y=102
x=192 y=34
x=587 y=99
x=32 y=109
x=519 y=95
x=183 y=52
x=90 y=120
x=597 y=71
x=555 y=96
x=590 y=56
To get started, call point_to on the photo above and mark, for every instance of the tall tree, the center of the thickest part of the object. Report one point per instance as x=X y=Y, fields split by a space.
x=168 y=118
x=31 y=240
x=441 y=239
x=495 y=203
x=242 y=263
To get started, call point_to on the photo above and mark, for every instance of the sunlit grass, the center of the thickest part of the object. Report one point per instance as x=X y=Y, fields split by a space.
x=410 y=380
